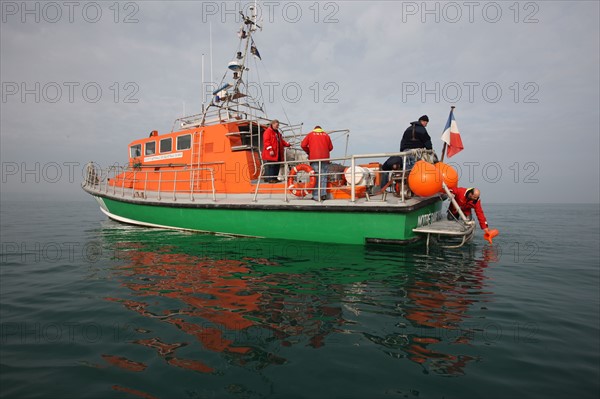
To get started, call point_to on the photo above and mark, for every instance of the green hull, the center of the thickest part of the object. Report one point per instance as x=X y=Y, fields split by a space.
x=352 y=224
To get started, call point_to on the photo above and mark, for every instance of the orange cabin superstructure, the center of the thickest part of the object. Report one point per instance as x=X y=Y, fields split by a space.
x=225 y=155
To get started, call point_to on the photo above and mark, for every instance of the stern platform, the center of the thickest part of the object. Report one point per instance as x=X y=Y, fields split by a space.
x=453 y=233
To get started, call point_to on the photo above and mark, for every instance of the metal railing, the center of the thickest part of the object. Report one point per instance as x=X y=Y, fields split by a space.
x=287 y=165
x=186 y=182
x=123 y=180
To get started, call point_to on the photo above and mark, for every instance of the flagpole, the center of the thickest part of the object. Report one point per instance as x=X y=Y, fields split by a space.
x=446 y=144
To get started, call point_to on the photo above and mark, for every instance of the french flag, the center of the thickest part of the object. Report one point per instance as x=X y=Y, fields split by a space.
x=451 y=136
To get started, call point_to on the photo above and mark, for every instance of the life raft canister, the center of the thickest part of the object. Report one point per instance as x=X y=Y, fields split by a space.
x=301 y=189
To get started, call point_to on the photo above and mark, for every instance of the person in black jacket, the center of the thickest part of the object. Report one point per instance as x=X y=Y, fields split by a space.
x=416 y=135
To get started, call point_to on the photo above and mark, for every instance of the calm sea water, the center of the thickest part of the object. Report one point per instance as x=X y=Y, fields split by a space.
x=92 y=308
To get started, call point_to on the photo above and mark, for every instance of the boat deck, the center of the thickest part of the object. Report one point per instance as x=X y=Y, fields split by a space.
x=275 y=200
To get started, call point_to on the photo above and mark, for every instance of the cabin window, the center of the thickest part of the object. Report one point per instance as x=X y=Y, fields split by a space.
x=184 y=142
x=135 y=151
x=166 y=145
x=151 y=148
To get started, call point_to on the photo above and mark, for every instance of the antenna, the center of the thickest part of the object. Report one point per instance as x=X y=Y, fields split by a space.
x=211 y=53
x=203 y=85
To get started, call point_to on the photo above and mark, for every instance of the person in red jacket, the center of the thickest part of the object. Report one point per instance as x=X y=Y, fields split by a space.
x=273 y=147
x=317 y=144
x=467 y=199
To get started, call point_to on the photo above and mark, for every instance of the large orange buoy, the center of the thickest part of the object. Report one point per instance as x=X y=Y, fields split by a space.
x=425 y=179
x=449 y=174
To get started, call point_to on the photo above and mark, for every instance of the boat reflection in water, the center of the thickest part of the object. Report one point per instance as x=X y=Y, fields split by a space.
x=436 y=306
x=250 y=301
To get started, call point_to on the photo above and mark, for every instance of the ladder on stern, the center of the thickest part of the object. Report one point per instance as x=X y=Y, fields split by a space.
x=455 y=232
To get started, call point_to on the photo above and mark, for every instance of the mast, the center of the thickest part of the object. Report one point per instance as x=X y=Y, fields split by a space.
x=250 y=23
x=227 y=94
x=226 y=103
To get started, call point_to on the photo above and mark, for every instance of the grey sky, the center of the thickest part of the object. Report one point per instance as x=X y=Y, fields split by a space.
x=524 y=77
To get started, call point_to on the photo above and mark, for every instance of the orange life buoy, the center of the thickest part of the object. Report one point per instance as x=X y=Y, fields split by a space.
x=301 y=189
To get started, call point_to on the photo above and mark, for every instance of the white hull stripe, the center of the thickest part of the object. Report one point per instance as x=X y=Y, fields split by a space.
x=138 y=223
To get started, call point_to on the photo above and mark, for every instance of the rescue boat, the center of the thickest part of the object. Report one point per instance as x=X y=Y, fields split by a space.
x=206 y=175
